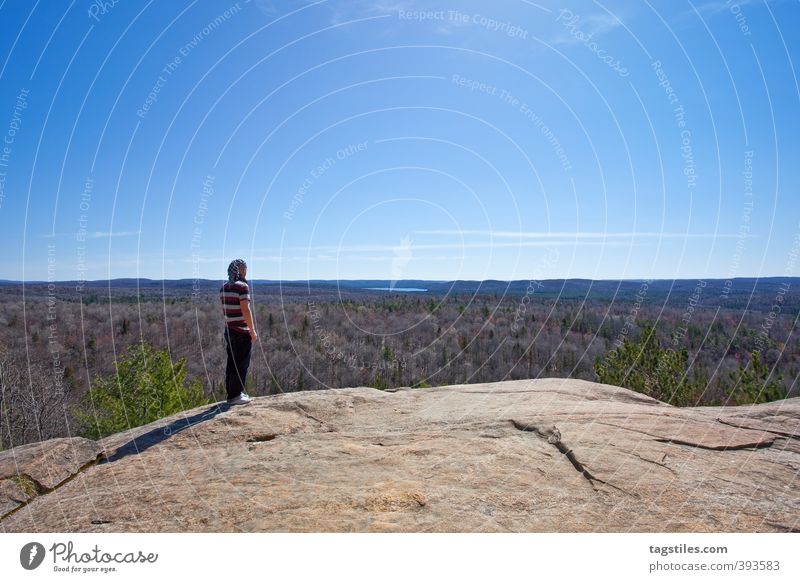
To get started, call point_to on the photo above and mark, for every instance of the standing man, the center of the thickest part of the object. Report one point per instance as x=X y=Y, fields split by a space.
x=240 y=330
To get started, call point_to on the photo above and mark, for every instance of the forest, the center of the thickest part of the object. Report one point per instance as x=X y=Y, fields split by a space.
x=688 y=344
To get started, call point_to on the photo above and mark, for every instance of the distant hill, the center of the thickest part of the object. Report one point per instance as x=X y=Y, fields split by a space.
x=735 y=293
x=521 y=286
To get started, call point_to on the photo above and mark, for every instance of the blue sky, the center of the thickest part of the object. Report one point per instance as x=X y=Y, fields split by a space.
x=397 y=139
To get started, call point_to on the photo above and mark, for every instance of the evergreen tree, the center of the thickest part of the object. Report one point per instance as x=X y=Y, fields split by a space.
x=647 y=367
x=146 y=386
x=754 y=383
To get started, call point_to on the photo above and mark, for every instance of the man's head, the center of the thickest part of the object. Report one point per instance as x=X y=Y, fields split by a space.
x=237 y=270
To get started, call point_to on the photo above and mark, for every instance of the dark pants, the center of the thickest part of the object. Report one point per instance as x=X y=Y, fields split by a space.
x=238 y=346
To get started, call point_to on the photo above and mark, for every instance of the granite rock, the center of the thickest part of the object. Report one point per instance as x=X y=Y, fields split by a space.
x=546 y=455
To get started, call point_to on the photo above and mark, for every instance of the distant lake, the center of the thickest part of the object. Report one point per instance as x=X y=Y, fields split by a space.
x=398 y=289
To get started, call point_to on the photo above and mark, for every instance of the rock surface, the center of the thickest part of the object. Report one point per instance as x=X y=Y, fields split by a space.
x=37 y=468
x=549 y=455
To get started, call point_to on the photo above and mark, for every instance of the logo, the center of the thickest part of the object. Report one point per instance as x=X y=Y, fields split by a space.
x=31 y=555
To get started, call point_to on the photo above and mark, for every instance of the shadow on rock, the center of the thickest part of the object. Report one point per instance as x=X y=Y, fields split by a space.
x=144 y=441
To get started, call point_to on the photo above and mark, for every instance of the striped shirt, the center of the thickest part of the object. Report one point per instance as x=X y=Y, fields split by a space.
x=230 y=294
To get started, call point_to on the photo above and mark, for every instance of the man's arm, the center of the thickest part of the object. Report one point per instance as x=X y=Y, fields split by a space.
x=248 y=318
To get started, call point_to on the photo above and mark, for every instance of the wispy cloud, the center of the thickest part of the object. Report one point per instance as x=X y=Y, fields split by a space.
x=293 y=258
x=521 y=240
x=114 y=233
x=713 y=8
x=93 y=235
x=389 y=249
x=717 y=6
x=588 y=25
x=356 y=9
x=249 y=258
x=576 y=235
x=265 y=6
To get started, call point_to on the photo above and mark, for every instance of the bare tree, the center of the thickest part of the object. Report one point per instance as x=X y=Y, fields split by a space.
x=32 y=406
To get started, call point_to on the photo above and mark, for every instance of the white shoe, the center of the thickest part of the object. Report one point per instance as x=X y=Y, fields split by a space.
x=241 y=399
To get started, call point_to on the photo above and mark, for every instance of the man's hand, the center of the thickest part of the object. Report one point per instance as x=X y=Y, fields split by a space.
x=248 y=318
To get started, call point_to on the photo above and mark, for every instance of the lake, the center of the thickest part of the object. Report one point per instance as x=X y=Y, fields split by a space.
x=398 y=289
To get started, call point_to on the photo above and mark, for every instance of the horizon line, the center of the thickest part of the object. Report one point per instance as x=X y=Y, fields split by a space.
x=396 y=281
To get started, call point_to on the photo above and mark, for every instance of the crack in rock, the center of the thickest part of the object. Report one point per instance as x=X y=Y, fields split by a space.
x=312 y=417
x=743 y=446
x=784 y=527
x=553 y=436
x=261 y=438
x=791 y=435
x=660 y=464
x=43 y=490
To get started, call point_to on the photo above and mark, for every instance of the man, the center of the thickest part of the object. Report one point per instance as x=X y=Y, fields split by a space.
x=240 y=330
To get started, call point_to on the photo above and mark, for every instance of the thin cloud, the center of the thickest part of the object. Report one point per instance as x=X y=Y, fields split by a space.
x=383 y=259
x=114 y=234
x=578 y=235
x=266 y=7
x=356 y=9
x=717 y=6
x=249 y=258
x=590 y=25
x=93 y=235
x=456 y=246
